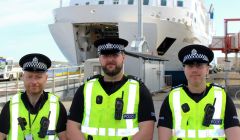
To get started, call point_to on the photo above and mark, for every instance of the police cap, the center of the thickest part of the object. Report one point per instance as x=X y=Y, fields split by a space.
x=195 y=54
x=35 y=62
x=110 y=45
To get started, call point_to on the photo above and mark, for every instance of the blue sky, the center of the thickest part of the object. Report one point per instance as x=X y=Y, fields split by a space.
x=225 y=9
x=24 y=26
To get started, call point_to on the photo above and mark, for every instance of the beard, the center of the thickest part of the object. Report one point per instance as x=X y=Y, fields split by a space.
x=113 y=72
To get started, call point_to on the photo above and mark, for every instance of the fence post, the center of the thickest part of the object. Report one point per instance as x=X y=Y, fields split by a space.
x=53 y=88
x=6 y=91
x=67 y=79
x=17 y=83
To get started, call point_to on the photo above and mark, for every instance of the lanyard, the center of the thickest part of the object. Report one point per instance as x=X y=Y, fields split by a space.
x=29 y=118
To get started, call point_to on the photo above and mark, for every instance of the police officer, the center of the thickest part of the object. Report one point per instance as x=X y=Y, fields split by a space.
x=198 y=110
x=113 y=106
x=34 y=113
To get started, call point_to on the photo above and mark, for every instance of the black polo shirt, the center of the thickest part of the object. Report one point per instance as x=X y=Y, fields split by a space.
x=145 y=109
x=5 y=114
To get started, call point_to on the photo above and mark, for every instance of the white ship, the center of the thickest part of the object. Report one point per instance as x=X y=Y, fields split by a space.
x=168 y=25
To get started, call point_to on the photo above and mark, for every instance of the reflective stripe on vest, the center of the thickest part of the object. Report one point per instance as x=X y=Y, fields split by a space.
x=15 y=110
x=212 y=133
x=209 y=133
x=128 y=131
x=111 y=131
x=88 y=101
x=53 y=115
x=15 y=101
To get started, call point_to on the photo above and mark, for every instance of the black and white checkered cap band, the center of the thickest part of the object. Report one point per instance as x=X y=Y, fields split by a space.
x=195 y=56
x=34 y=64
x=110 y=46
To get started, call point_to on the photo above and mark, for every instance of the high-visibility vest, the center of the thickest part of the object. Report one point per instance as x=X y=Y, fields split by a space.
x=188 y=125
x=98 y=119
x=18 y=109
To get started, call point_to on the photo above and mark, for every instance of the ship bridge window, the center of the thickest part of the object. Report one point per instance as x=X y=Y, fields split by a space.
x=130 y=2
x=115 y=1
x=180 y=3
x=163 y=2
x=145 y=2
x=101 y=2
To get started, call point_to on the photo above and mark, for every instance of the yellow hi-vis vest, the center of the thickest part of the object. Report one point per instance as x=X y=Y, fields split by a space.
x=98 y=119
x=18 y=109
x=188 y=125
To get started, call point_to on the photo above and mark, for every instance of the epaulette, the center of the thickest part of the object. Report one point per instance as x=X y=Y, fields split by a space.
x=181 y=85
x=218 y=85
x=94 y=77
x=134 y=78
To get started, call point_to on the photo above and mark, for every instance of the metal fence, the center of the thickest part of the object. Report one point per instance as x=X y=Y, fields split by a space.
x=62 y=81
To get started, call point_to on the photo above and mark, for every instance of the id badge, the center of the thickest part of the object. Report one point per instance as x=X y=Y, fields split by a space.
x=29 y=137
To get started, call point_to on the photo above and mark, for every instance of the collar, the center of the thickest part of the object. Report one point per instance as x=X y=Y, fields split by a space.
x=39 y=104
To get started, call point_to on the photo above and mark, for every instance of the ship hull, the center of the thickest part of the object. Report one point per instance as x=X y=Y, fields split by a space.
x=77 y=27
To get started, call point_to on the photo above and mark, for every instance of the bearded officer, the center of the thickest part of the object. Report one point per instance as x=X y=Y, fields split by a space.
x=113 y=106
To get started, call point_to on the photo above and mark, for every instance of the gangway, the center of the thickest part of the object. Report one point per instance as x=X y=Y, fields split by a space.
x=229 y=43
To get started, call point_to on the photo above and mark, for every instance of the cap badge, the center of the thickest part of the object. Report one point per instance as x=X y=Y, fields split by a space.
x=194 y=52
x=35 y=60
x=109 y=45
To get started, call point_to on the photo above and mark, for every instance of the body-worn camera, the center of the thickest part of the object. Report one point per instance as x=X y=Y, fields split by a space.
x=185 y=107
x=44 y=123
x=90 y=137
x=118 y=108
x=209 y=111
x=22 y=122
